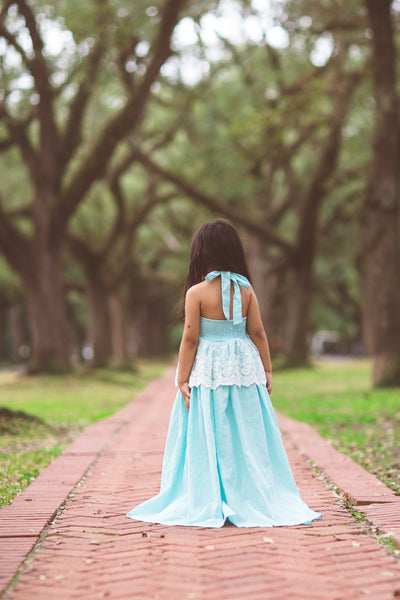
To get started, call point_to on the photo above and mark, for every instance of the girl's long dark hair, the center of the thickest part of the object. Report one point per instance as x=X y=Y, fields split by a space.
x=216 y=246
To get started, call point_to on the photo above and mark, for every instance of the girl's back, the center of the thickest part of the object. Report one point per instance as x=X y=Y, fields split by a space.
x=210 y=299
x=205 y=299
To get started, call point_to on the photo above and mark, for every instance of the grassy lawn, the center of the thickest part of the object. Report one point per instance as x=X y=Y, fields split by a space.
x=336 y=399
x=41 y=415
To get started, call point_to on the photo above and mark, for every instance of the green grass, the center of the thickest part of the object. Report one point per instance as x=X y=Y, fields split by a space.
x=334 y=397
x=41 y=415
x=337 y=400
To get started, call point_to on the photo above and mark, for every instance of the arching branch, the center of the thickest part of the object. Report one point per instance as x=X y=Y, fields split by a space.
x=72 y=133
x=41 y=74
x=12 y=41
x=121 y=125
x=13 y=243
x=239 y=216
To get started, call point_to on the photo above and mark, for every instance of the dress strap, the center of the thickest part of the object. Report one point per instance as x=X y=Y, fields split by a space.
x=238 y=280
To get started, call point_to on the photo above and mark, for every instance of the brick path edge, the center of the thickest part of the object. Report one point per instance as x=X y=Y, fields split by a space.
x=24 y=520
x=366 y=492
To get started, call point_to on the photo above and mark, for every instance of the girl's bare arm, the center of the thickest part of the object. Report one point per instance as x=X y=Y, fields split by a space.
x=256 y=331
x=190 y=341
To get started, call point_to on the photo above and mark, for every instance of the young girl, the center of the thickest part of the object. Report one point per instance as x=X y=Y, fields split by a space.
x=223 y=457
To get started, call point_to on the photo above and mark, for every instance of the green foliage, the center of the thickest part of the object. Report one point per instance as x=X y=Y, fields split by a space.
x=82 y=397
x=231 y=133
x=40 y=416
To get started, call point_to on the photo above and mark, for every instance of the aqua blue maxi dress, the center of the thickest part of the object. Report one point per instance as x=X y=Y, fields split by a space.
x=224 y=458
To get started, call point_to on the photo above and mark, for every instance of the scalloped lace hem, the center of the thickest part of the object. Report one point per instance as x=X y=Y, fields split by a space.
x=213 y=384
x=235 y=362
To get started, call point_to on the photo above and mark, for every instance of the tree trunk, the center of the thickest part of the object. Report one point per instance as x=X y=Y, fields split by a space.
x=42 y=277
x=118 y=331
x=300 y=294
x=256 y=260
x=99 y=322
x=16 y=329
x=380 y=221
x=5 y=351
x=150 y=329
x=297 y=315
x=49 y=141
x=265 y=283
x=269 y=291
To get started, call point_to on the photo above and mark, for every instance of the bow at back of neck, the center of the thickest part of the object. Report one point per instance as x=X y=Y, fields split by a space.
x=238 y=280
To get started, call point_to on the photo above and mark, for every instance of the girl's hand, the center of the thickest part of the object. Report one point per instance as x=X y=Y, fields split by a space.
x=268 y=375
x=185 y=391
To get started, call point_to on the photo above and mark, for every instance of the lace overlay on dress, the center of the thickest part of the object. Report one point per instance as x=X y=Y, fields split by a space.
x=225 y=356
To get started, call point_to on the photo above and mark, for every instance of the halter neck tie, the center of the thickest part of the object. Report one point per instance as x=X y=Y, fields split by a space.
x=237 y=280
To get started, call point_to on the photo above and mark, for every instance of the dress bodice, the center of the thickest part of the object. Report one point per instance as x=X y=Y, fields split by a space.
x=222 y=329
x=225 y=354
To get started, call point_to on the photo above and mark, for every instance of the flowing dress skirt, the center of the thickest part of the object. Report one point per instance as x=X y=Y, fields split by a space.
x=224 y=459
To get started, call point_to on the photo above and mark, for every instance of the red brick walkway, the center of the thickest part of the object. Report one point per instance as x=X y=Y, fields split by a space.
x=91 y=550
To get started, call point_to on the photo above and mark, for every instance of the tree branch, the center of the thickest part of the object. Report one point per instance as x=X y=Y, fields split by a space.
x=40 y=72
x=12 y=40
x=118 y=225
x=288 y=152
x=13 y=243
x=94 y=260
x=168 y=136
x=4 y=9
x=277 y=265
x=6 y=143
x=122 y=124
x=263 y=231
x=345 y=303
x=237 y=55
x=339 y=215
x=83 y=251
x=358 y=24
x=24 y=211
x=343 y=90
x=72 y=133
x=313 y=74
x=277 y=212
x=28 y=152
x=140 y=215
x=123 y=56
x=73 y=286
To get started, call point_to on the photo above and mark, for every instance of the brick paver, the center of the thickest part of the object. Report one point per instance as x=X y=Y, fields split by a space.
x=91 y=550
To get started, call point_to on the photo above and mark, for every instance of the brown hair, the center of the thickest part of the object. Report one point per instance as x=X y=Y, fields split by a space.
x=216 y=246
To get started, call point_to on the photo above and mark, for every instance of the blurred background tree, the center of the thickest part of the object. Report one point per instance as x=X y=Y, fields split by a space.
x=48 y=119
x=125 y=125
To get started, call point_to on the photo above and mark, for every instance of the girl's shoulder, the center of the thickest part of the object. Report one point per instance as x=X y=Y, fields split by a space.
x=196 y=288
x=205 y=285
x=251 y=291
x=195 y=291
x=200 y=292
x=204 y=288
